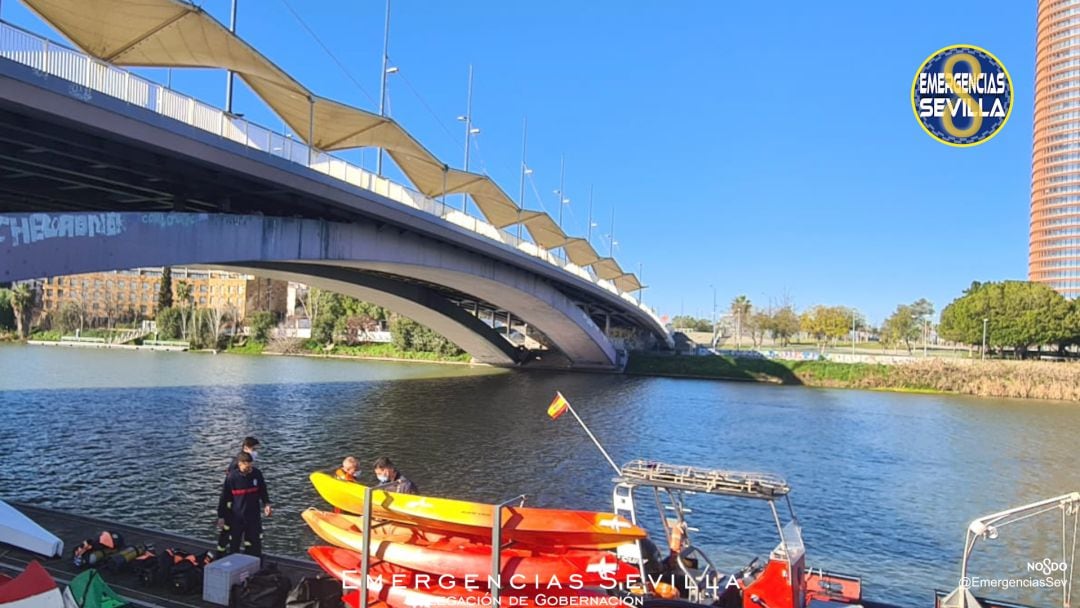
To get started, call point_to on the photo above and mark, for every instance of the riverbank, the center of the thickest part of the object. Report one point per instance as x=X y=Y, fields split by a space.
x=1019 y=379
x=375 y=352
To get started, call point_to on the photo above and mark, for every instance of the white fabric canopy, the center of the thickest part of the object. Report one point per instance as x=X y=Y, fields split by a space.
x=173 y=33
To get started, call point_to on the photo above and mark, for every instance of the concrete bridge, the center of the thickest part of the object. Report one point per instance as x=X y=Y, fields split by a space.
x=94 y=177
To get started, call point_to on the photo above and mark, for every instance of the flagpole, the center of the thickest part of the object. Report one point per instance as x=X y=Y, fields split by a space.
x=618 y=471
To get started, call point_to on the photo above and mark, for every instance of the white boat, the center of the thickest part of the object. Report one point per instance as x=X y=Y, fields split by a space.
x=33 y=588
x=20 y=531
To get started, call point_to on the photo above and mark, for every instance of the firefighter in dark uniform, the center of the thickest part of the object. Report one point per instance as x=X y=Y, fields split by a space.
x=244 y=500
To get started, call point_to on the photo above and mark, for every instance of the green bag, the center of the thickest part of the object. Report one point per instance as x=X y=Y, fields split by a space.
x=89 y=590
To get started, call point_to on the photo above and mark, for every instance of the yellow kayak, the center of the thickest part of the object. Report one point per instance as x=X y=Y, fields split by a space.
x=525 y=525
x=346 y=531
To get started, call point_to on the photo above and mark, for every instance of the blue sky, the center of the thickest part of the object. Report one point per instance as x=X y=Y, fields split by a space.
x=768 y=149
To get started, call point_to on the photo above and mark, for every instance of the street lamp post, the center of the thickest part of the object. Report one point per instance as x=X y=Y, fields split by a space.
x=612 y=242
x=588 y=231
x=382 y=80
x=469 y=132
x=525 y=170
x=641 y=290
x=853 y=334
x=985 y=322
x=561 y=192
x=229 y=77
x=715 y=333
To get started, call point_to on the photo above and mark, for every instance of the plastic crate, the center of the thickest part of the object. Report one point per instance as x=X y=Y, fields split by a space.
x=219 y=576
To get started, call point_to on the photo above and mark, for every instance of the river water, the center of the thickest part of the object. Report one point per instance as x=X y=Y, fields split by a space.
x=883 y=484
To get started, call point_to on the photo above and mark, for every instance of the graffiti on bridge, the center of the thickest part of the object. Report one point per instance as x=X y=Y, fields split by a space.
x=37 y=227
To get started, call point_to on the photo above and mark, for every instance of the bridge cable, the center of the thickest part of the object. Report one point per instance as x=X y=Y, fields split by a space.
x=433 y=113
x=326 y=49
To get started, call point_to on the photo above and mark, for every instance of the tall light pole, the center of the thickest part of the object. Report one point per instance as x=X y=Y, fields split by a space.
x=229 y=76
x=926 y=335
x=562 y=193
x=853 y=334
x=640 y=275
x=715 y=333
x=469 y=132
x=985 y=322
x=611 y=244
x=588 y=232
x=382 y=81
x=525 y=170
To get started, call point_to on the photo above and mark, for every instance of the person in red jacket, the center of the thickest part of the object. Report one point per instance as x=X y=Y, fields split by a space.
x=244 y=500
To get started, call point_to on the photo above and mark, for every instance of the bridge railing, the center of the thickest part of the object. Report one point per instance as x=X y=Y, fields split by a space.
x=88 y=74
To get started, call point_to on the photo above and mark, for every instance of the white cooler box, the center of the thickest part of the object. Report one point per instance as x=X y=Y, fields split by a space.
x=220 y=575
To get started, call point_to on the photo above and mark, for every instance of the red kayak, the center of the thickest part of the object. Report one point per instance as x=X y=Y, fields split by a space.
x=403 y=588
x=462 y=558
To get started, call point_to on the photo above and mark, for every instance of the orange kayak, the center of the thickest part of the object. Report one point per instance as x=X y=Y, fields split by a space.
x=464 y=559
x=346 y=531
x=553 y=528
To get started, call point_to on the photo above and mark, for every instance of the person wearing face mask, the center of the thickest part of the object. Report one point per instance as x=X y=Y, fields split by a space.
x=244 y=500
x=388 y=474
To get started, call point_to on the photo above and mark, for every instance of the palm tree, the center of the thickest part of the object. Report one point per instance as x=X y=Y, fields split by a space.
x=23 y=302
x=183 y=293
x=740 y=307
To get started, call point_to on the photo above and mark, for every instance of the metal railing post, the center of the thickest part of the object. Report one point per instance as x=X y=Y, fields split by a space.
x=365 y=544
x=495 y=582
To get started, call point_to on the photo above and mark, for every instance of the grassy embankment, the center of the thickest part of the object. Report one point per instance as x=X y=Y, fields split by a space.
x=360 y=351
x=1022 y=379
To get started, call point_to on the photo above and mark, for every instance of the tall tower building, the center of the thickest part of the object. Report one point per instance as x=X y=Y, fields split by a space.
x=1054 y=255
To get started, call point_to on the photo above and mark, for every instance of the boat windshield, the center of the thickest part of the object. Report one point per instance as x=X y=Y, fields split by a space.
x=791 y=544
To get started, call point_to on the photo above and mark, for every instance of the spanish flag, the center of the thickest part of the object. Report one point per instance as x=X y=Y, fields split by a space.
x=558 y=406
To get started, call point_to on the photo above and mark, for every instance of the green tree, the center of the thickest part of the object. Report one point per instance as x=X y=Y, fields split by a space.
x=7 y=314
x=826 y=323
x=331 y=309
x=185 y=295
x=168 y=321
x=1020 y=314
x=408 y=335
x=689 y=323
x=24 y=304
x=902 y=327
x=740 y=309
x=165 y=289
x=68 y=318
x=784 y=323
x=758 y=323
x=261 y=323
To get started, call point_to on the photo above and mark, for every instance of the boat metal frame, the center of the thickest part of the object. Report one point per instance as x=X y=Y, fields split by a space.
x=987 y=526
x=495 y=581
x=671 y=483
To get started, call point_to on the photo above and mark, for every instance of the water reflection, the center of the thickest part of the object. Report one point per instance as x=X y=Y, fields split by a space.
x=884 y=484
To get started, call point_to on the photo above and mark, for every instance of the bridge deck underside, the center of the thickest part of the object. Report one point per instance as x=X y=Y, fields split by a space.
x=60 y=156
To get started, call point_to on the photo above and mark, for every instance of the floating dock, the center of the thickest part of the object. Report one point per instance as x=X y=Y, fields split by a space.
x=72 y=529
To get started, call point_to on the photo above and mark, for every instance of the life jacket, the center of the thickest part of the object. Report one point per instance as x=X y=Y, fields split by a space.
x=342 y=475
x=177 y=570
